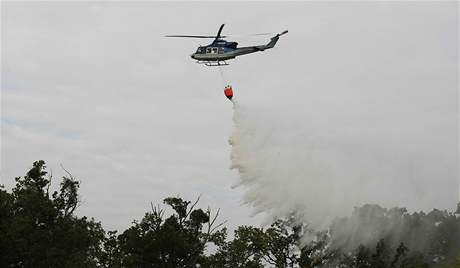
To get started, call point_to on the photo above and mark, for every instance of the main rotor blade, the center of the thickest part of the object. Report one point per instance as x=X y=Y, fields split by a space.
x=249 y=35
x=261 y=34
x=194 y=36
x=222 y=36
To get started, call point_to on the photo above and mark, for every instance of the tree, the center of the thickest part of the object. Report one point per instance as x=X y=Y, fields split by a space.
x=177 y=241
x=39 y=230
x=316 y=252
x=381 y=257
x=399 y=255
x=282 y=244
x=246 y=249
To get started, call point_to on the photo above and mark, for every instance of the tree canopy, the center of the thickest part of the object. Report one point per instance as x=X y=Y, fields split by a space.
x=40 y=229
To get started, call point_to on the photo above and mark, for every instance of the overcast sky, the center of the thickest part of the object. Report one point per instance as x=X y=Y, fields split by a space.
x=96 y=87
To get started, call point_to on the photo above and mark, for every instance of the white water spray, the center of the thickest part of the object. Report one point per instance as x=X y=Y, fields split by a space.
x=288 y=164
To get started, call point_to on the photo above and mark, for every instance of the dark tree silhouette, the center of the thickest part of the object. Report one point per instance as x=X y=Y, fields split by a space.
x=40 y=229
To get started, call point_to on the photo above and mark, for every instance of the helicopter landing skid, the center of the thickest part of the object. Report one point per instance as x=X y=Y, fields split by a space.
x=213 y=63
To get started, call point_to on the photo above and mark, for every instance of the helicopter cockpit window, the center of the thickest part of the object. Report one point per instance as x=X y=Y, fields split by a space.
x=209 y=50
x=199 y=50
x=214 y=50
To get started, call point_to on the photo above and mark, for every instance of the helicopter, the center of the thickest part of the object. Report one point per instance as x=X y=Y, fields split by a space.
x=220 y=50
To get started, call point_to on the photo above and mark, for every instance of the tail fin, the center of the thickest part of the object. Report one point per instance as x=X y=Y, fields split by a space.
x=273 y=40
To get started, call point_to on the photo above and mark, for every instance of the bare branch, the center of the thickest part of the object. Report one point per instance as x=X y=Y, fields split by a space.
x=208 y=211
x=66 y=171
x=161 y=211
x=72 y=210
x=219 y=225
x=193 y=206
x=212 y=221
x=215 y=217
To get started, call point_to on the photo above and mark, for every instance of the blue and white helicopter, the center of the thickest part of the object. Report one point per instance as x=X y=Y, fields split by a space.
x=216 y=53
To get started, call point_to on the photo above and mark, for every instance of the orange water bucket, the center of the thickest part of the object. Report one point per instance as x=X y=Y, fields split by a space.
x=228 y=91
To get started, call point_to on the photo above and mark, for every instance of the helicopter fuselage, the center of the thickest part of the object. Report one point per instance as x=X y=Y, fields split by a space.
x=216 y=51
x=221 y=50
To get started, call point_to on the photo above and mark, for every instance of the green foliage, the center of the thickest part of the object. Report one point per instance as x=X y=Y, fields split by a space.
x=282 y=242
x=176 y=241
x=246 y=249
x=37 y=230
x=278 y=246
x=316 y=253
